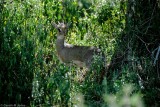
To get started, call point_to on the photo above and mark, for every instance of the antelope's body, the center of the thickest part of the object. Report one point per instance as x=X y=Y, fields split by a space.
x=82 y=56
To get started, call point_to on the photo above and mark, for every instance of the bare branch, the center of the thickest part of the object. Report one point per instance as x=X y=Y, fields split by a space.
x=157 y=55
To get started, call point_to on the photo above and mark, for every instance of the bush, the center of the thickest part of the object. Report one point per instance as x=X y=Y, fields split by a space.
x=31 y=73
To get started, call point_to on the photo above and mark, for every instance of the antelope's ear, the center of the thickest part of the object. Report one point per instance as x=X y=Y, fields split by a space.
x=54 y=25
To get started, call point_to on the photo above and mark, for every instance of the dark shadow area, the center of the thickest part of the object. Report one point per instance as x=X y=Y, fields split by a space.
x=138 y=46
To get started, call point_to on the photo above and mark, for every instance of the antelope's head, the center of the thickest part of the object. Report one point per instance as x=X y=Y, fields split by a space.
x=62 y=28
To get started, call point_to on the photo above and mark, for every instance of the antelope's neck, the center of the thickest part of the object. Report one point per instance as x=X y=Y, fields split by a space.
x=60 y=43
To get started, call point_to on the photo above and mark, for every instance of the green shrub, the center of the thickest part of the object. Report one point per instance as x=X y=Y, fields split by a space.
x=31 y=74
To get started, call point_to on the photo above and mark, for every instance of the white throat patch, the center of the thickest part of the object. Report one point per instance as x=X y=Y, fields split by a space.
x=60 y=37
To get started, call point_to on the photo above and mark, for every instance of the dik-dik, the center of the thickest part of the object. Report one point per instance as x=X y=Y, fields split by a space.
x=82 y=56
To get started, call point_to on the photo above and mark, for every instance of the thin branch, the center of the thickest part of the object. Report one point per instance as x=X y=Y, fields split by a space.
x=147 y=31
x=143 y=42
x=138 y=31
x=150 y=20
x=157 y=55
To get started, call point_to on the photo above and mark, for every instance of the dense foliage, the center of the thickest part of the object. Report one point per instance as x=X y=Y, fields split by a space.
x=126 y=31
